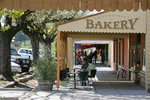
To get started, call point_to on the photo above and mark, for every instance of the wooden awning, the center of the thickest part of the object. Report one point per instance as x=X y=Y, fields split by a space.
x=76 y=4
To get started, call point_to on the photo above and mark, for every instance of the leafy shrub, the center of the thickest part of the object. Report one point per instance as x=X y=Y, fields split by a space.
x=45 y=67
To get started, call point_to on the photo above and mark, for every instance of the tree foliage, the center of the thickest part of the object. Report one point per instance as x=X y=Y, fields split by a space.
x=43 y=23
x=12 y=18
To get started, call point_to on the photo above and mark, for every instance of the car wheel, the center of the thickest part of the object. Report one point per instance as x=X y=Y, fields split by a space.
x=25 y=69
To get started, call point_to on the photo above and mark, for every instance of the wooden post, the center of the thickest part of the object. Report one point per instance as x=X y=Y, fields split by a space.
x=117 y=46
x=58 y=58
x=64 y=52
x=61 y=51
x=75 y=54
x=66 y=49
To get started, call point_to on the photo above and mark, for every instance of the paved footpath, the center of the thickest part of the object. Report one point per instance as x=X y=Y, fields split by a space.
x=106 y=87
x=65 y=94
x=110 y=88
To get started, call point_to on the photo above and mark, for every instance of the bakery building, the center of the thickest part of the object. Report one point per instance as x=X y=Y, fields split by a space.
x=128 y=33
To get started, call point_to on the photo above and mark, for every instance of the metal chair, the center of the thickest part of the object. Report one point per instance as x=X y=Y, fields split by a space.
x=83 y=77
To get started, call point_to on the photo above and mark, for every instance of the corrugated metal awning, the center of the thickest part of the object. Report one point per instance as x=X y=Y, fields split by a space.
x=76 y=4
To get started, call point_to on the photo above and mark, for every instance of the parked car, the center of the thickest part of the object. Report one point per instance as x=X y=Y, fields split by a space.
x=15 y=67
x=23 y=62
x=41 y=52
x=25 y=53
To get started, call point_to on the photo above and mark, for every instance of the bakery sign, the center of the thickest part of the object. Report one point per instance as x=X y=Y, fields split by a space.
x=122 y=24
x=109 y=22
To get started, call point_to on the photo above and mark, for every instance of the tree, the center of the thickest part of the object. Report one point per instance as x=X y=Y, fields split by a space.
x=6 y=34
x=40 y=27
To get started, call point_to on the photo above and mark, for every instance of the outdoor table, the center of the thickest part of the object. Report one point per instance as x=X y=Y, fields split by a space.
x=74 y=73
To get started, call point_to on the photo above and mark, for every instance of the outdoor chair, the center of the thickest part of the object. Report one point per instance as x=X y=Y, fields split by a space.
x=67 y=70
x=93 y=73
x=83 y=78
x=63 y=75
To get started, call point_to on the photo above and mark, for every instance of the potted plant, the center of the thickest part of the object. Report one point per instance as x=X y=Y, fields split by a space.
x=45 y=70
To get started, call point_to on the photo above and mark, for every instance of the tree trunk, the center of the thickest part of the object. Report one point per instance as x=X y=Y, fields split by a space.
x=34 y=43
x=35 y=48
x=49 y=47
x=5 y=64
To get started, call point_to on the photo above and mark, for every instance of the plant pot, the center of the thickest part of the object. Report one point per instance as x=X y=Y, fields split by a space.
x=45 y=85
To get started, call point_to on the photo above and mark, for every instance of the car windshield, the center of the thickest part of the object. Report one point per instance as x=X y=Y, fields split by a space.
x=25 y=51
x=14 y=52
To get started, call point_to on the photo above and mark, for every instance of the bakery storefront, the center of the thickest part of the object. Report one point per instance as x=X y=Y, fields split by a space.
x=128 y=33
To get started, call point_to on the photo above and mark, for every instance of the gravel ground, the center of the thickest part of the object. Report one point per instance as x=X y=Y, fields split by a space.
x=30 y=84
x=3 y=83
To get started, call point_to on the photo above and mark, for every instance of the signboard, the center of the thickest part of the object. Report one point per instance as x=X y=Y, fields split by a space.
x=109 y=22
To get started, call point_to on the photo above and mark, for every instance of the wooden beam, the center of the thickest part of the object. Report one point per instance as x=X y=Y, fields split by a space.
x=62 y=5
x=54 y=5
x=84 y=5
x=58 y=58
x=121 y=5
x=16 y=4
x=68 y=5
x=75 y=4
x=47 y=5
x=62 y=42
x=98 y=5
x=24 y=5
x=106 y=5
x=117 y=46
x=64 y=51
x=144 y=4
x=9 y=4
x=2 y=4
x=129 y=5
x=97 y=36
x=39 y=4
x=135 y=5
x=148 y=4
x=91 y=5
x=123 y=51
x=113 y=5
x=32 y=4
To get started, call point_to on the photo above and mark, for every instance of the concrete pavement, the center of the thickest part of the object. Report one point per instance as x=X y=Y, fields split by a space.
x=65 y=94
x=109 y=87
x=14 y=94
x=106 y=87
x=120 y=91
